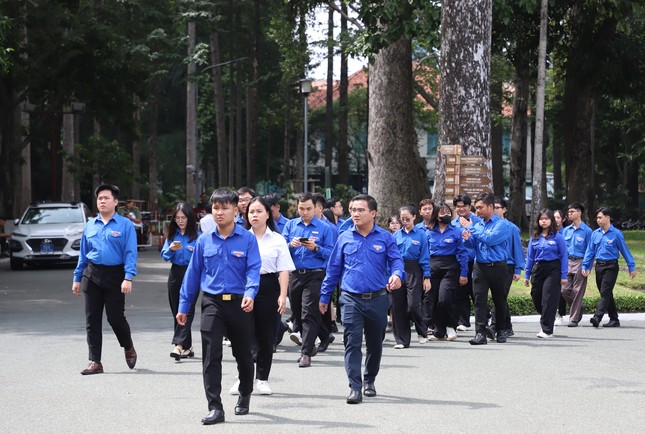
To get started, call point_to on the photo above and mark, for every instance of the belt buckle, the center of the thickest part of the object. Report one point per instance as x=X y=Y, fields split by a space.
x=227 y=297
x=302 y=271
x=366 y=296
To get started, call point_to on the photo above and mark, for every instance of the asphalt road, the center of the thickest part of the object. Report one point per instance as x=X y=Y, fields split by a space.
x=585 y=379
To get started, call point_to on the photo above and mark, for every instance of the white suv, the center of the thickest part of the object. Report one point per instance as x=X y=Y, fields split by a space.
x=48 y=232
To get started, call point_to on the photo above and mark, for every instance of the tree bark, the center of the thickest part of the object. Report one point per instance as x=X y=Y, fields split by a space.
x=519 y=134
x=396 y=172
x=343 y=104
x=497 y=139
x=152 y=146
x=252 y=109
x=67 y=176
x=329 y=103
x=191 y=119
x=464 y=106
x=220 y=116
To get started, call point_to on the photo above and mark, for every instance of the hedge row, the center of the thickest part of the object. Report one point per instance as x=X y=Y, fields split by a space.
x=523 y=305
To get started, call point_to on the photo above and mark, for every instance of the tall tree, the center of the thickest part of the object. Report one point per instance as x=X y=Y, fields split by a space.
x=343 y=103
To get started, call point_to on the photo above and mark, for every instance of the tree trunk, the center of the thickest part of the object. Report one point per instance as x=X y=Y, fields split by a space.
x=464 y=107
x=136 y=151
x=152 y=146
x=557 y=162
x=67 y=177
x=519 y=134
x=220 y=115
x=24 y=190
x=252 y=109
x=396 y=172
x=329 y=103
x=192 y=166
x=238 y=127
x=497 y=138
x=538 y=200
x=286 y=144
x=343 y=104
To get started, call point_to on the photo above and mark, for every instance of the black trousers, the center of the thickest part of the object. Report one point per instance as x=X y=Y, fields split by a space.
x=606 y=275
x=102 y=288
x=444 y=271
x=264 y=323
x=219 y=316
x=406 y=305
x=463 y=296
x=304 y=295
x=506 y=325
x=545 y=292
x=182 y=334
x=485 y=278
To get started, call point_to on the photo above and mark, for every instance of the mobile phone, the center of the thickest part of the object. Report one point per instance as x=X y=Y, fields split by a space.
x=304 y=239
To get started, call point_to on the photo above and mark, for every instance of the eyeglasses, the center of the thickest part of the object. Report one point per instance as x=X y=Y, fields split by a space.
x=406 y=219
x=572 y=211
x=462 y=206
x=499 y=207
x=181 y=219
x=357 y=210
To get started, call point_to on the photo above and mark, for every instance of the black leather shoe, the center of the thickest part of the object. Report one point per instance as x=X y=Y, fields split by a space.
x=501 y=337
x=509 y=333
x=612 y=323
x=572 y=324
x=354 y=397
x=490 y=333
x=594 y=321
x=213 y=417
x=480 y=339
x=323 y=345
x=370 y=390
x=242 y=406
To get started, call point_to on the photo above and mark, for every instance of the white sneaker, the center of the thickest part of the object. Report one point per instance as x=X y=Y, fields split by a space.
x=263 y=388
x=433 y=338
x=295 y=338
x=235 y=388
x=422 y=340
x=544 y=335
x=289 y=326
x=462 y=328
x=399 y=346
x=451 y=334
x=226 y=342
x=558 y=320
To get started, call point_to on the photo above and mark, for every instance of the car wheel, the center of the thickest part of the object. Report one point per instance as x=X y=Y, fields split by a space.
x=16 y=264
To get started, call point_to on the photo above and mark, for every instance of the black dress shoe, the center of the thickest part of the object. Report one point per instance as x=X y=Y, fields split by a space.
x=509 y=333
x=354 y=397
x=323 y=345
x=213 y=417
x=594 y=321
x=370 y=390
x=480 y=339
x=501 y=337
x=612 y=323
x=242 y=406
x=490 y=333
x=572 y=324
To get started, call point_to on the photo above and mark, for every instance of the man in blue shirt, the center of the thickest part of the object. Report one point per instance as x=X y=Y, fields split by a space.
x=310 y=242
x=226 y=267
x=464 y=294
x=369 y=263
x=280 y=220
x=489 y=238
x=106 y=265
x=245 y=194
x=605 y=244
x=577 y=236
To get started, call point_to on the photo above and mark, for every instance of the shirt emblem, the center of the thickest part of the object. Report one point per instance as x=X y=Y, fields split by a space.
x=448 y=240
x=191 y=248
x=115 y=233
x=610 y=241
x=237 y=253
x=377 y=247
x=578 y=238
x=551 y=242
x=415 y=242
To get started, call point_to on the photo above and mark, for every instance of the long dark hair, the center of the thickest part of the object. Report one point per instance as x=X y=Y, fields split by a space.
x=267 y=207
x=191 y=223
x=329 y=214
x=537 y=230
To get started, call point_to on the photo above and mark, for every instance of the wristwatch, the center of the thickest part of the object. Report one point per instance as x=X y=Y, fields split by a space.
x=316 y=248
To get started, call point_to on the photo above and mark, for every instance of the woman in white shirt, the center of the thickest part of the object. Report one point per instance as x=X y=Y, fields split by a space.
x=274 y=281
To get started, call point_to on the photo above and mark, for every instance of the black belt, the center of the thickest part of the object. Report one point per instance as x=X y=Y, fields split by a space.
x=615 y=261
x=226 y=297
x=367 y=295
x=309 y=270
x=492 y=264
x=575 y=258
x=109 y=267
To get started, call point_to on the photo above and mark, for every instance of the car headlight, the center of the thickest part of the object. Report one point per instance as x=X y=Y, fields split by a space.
x=76 y=245
x=15 y=246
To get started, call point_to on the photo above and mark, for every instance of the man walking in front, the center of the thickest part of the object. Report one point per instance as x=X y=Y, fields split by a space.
x=369 y=264
x=106 y=265
x=226 y=267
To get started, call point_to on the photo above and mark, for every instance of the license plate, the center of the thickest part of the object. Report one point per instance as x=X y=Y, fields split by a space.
x=47 y=247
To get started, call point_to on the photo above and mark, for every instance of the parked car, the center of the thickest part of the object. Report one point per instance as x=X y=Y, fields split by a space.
x=48 y=232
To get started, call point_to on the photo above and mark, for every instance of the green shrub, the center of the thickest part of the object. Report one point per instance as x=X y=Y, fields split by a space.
x=523 y=305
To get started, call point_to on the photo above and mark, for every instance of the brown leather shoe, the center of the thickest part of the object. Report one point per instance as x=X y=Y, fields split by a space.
x=93 y=368
x=131 y=357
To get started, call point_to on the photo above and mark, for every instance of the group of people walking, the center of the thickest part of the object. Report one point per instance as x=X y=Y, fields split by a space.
x=248 y=258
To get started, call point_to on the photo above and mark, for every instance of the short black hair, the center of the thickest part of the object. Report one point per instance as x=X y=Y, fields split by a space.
x=272 y=199
x=223 y=196
x=319 y=199
x=113 y=188
x=304 y=197
x=606 y=211
x=462 y=198
x=331 y=202
x=248 y=190
x=500 y=200
x=371 y=202
x=486 y=197
x=577 y=205
x=409 y=208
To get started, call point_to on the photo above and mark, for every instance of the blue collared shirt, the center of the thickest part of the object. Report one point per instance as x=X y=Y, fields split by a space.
x=183 y=255
x=604 y=246
x=515 y=249
x=449 y=243
x=362 y=263
x=334 y=230
x=112 y=243
x=413 y=246
x=577 y=239
x=489 y=240
x=316 y=230
x=346 y=225
x=547 y=249
x=469 y=248
x=339 y=223
x=239 y=220
x=219 y=265
x=280 y=223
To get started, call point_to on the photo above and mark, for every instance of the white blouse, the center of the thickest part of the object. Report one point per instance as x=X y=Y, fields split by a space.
x=274 y=253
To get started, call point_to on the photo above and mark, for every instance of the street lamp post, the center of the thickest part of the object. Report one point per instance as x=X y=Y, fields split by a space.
x=305 y=89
